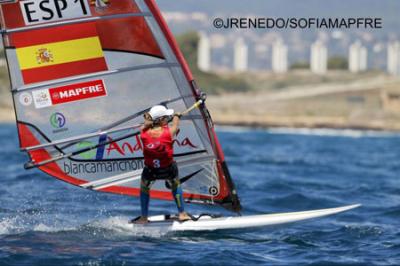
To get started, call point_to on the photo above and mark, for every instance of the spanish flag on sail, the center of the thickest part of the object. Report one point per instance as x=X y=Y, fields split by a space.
x=58 y=52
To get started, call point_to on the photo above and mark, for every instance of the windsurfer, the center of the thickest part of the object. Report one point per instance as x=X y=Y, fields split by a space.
x=157 y=138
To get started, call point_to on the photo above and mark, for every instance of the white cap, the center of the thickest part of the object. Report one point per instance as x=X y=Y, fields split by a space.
x=160 y=111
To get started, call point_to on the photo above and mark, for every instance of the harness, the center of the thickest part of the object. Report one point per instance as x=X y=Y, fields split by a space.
x=166 y=173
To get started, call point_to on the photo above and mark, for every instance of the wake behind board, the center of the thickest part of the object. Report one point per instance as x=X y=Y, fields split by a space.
x=211 y=223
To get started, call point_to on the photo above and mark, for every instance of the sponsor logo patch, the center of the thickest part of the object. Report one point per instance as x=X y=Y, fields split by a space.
x=25 y=99
x=58 y=122
x=69 y=93
x=41 y=98
x=77 y=92
x=89 y=154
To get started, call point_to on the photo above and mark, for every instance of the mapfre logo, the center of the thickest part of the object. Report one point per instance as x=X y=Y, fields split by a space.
x=79 y=91
x=70 y=93
x=41 y=11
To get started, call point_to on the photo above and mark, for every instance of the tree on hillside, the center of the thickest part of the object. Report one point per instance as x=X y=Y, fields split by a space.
x=338 y=63
x=300 y=65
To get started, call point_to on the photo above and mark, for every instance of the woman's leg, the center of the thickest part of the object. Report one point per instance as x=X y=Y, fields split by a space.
x=178 y=196
x=177 y=193
x=176 y=189
x=145 y=196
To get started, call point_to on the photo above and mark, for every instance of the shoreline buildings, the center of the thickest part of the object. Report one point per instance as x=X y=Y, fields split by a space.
x=279 y=57
x=276 y=51
x=319 y=58
x=240 y=60
x=358 y=56
x=204 y=53
x=393 y=58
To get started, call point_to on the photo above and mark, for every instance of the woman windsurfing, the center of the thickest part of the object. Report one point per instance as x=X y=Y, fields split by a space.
x=157 y=138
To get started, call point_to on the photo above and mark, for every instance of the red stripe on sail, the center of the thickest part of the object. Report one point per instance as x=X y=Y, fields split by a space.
x=27 y=139
x=54 y=34
x=64 y=70
x=156 y=194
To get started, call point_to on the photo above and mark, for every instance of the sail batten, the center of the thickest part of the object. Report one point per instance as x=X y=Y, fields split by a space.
x=94 y=75
x=80 y=88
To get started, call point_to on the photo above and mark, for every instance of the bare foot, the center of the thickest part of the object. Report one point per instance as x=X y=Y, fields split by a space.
x=183 y=216
x=141 y=220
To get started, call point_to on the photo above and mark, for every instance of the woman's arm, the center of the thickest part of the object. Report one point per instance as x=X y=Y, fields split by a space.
x=148 y=122
x=175 y=124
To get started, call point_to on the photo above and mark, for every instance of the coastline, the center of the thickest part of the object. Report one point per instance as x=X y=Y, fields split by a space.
x=367 y=102
x=7 y=116
x=301 y=123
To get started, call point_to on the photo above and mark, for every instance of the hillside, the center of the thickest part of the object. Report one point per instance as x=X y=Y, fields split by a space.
x=299 y=98
x=364 y=102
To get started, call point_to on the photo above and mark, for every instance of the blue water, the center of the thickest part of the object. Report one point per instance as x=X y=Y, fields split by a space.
x=47 y=222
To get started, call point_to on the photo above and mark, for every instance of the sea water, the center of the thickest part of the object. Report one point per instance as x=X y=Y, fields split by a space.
x=47 y=222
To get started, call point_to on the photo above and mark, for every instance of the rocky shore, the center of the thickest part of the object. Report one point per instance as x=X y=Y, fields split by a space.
x=7 y=115
x=370 y=103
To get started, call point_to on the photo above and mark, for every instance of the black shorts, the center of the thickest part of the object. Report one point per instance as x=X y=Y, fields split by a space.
x=166 y=173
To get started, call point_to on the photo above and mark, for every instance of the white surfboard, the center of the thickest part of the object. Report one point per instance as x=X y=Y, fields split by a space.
x=209 y=223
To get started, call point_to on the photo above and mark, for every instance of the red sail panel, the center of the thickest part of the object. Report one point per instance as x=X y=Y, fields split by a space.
x=124 y=34
x=110 y=7
x=12 y=16
x=28 y=139
x=129 y=35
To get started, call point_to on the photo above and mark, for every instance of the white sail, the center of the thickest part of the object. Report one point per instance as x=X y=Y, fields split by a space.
x=82 y=78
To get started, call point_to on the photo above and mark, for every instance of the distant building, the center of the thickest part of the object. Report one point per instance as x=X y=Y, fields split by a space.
x=357 y=57
x=279 y=57
x=319 y=58
x=393 y=60
x=204 y=53
x=240 y=61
